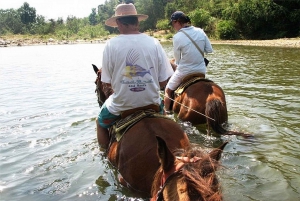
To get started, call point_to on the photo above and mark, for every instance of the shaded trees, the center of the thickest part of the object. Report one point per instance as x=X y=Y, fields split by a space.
x=93 y=17
x=27 y=13
x=226 y=19
x=10 y=22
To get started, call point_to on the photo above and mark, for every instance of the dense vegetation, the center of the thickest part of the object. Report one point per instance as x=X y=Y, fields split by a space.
x=224 y=19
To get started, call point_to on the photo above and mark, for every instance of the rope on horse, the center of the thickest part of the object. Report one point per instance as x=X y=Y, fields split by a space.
x=186 y=106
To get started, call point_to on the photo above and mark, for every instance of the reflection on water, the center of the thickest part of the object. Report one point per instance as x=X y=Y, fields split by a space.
x=48 y=108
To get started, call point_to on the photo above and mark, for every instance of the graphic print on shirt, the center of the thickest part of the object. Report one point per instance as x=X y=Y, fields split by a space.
x=138 y=77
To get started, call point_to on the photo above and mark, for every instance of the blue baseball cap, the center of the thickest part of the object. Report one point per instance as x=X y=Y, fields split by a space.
x=179 y=15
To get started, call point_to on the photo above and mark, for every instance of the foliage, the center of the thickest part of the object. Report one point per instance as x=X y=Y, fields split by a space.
x=154 y=9
x=226 y=29
x=91 y=32
x=200 y=18
x=27 y=14
x=10 y=22
x=163 y=24
x=169 y=36
x=249 y=19
x=93 y=17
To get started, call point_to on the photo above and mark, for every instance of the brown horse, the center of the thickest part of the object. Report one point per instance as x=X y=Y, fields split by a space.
x=135 y=154
x=203 y=101
x=188 y=175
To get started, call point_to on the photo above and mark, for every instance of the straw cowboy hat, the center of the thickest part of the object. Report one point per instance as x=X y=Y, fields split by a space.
x=124 y=10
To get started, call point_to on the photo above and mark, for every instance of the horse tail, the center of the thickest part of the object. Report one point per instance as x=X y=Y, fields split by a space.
x=217 y=111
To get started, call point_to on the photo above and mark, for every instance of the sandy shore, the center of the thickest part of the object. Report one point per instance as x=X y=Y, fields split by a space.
x=17 y=41
x=283 y=42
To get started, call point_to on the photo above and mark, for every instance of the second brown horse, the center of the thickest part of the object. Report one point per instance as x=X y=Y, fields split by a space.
x=203 y=102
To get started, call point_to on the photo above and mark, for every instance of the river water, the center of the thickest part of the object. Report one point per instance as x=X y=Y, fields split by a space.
x=48 y=107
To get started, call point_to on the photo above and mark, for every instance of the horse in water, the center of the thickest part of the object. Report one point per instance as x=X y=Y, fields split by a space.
x=134 y=154
x=188 y=175
x=199 y=101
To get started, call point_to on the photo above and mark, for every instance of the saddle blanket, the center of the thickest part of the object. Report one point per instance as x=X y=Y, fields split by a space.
x=188 y=83
x=123 y=125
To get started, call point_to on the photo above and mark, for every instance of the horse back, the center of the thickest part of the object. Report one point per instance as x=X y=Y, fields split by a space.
x=196 y=97
x=135 y=155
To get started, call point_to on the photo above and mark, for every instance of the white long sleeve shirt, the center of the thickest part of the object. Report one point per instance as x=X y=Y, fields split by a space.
x=187 y=57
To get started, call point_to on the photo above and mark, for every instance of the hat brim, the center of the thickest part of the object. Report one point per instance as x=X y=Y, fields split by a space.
x=170 y=23
x=111 y=22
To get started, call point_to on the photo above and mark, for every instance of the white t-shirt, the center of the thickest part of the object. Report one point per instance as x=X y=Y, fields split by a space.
x=187 y=57
x=134 y=64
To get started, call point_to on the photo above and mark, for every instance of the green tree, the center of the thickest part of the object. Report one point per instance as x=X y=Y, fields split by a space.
x=73 y=24
x=60 y=21
x=10 y=22
x=93 y=17
x=27 y=14
x=290 y=5
x=226 y=29
x=154 y=9
x=200 y=18
x=169 y=9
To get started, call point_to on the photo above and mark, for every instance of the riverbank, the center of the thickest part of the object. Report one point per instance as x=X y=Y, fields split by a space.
x=18 y=40
x=282 y=42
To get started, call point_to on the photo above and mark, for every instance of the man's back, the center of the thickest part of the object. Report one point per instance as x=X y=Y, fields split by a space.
x=134 y=64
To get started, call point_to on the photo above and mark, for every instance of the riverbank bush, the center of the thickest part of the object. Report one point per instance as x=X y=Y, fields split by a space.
x=226 y=19
x=226 y=30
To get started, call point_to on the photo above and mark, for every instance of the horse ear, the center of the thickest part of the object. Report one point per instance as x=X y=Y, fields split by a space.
x=165 y=156
x=216 y=153
x=95 y=68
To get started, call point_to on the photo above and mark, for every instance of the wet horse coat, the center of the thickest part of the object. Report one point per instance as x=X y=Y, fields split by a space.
x=202 y=102
x=135 y=155
x=188 y=175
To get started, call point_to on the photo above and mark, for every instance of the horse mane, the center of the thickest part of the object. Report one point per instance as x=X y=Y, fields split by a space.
x=200 y=176
x=103 y=90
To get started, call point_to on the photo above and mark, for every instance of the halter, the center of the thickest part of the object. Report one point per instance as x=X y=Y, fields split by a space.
x=178 y=170
x=159 y=195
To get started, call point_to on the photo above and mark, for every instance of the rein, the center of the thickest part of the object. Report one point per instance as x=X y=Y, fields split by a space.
x=186 y=106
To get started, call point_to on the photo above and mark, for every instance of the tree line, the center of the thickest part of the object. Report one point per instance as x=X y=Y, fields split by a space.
x=223 y=19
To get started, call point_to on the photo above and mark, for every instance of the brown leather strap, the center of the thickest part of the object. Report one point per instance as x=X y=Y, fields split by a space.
x=131 y=111
x=187 y=77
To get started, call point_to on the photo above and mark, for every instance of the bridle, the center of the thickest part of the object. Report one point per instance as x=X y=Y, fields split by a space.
x=177 y=172
x=160 y=195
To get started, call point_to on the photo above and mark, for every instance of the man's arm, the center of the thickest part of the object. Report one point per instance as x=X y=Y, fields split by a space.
x=163 y=84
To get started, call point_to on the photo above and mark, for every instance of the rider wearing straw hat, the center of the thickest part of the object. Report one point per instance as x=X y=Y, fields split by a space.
x=134 y=65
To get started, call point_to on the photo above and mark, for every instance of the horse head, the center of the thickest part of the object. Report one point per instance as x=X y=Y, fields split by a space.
x=103 y=90
x=187 y=174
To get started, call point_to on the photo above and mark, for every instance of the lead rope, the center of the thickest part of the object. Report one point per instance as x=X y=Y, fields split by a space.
x=186 y=106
